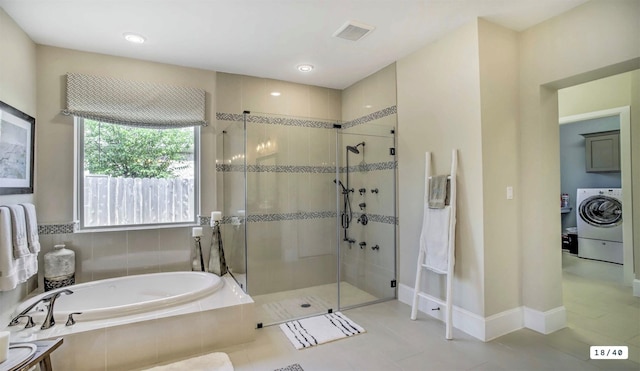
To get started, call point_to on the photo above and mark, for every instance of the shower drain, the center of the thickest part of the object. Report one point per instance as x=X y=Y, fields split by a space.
x=305 y=305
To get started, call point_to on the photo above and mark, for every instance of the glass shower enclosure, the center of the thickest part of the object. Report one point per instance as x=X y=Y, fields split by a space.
x=309 y=211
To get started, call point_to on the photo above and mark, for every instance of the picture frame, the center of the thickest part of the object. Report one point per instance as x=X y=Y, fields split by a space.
x=17 y=144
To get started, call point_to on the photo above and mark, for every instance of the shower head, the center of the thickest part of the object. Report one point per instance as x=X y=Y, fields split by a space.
x=354 y=149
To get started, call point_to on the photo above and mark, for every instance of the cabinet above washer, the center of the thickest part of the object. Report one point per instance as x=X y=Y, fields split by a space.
x=602 y=151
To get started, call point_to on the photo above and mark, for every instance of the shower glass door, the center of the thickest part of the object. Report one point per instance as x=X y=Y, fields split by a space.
x=367 y=214
x=291 y=214
x=231 y=174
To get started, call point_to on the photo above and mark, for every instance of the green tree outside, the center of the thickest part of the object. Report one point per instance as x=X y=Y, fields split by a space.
x=131 y=152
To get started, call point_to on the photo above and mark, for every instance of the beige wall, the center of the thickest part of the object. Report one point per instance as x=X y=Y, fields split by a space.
x=439 y=109
x=17 y=78
x=594 y=40
x=498 y=48
x=17 y=89
x=597 y=95
x=237 y=93
x=371 y=94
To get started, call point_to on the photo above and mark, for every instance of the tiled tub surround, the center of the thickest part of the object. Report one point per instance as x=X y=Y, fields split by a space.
x=221 y=319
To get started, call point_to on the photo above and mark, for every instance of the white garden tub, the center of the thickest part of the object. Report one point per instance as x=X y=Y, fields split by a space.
x=116 y=297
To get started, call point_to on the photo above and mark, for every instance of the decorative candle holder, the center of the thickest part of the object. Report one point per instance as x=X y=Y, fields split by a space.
x=197 y=261
x=217 y=261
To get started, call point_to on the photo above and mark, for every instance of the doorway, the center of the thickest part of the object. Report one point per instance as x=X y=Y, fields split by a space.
x=597 y=294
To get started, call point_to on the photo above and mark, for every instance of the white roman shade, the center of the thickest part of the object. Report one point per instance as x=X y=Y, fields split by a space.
x=134 y=103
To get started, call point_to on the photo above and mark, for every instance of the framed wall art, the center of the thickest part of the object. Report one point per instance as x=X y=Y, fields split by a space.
x=17 y=137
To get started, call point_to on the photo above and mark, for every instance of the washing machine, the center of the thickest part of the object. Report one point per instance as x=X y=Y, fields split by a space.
x=599 y=222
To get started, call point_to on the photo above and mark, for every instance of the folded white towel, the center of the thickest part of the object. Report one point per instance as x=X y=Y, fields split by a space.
x=33 y=240
x=13 y=271
x=434 y=238
x=438 y=191
x=18 y=231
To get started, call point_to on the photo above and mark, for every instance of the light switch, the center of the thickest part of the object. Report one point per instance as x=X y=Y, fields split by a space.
x=509 y=193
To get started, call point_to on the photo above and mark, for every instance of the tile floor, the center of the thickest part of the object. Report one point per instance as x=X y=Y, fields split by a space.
x=600 y=311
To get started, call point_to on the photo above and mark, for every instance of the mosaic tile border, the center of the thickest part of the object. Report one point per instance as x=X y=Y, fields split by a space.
x=57 y=228
x=371 y=117
x=391 y=110
x=388 y=165
x=290 y=216
x=71 y=227
x=257 y=119
x=385 y=219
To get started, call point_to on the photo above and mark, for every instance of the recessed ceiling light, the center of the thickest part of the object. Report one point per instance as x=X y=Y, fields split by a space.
x=305 y=67
x=275 y=93
x=134 y=38
x=368 y=106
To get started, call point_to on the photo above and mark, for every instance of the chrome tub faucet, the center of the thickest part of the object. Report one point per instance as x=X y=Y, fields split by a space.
x=48 y=320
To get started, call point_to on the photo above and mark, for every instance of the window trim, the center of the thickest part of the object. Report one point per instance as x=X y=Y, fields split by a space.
x=78 y=186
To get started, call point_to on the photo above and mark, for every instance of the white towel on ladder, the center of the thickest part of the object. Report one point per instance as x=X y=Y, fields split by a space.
x=434 y=238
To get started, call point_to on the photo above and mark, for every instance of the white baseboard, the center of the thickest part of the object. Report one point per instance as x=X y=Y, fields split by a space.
x=636 y=287
x=485 y=329
x=545 y=322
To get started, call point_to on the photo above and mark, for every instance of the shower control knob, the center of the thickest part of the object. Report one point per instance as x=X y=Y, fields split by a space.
x=363 y=219
x=375 y=247
x=362 y=244
x=362 y=191
x=374 y=190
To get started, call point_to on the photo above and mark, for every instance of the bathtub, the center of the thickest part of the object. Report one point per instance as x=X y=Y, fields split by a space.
x=163 y=316
x=127 y=295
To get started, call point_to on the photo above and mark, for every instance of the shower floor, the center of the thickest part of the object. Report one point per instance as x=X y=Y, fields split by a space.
x=283 y=306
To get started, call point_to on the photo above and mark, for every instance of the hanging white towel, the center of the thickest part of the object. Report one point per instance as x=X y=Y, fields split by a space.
x=33 y=240
x=8 y=276
x=434 y=238
x=19 y=231
x=13 y=271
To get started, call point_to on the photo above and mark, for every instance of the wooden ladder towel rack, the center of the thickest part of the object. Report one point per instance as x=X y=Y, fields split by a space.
x=447 y=302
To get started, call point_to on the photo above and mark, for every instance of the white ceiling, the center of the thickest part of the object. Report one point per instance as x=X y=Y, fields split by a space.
x=266 y=38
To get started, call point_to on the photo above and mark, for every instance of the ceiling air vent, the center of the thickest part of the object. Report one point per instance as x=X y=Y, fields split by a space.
x=353 y=31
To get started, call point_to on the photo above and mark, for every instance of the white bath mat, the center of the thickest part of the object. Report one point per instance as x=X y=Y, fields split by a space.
x=296 y=307
x=318 y=330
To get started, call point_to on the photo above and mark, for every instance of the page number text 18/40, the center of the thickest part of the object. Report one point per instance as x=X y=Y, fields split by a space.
x=609 y=352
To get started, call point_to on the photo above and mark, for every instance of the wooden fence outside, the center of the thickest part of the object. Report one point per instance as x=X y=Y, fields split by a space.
x=125 y=201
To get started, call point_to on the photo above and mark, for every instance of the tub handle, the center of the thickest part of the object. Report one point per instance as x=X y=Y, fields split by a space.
x=70 y=320
x=30 y=322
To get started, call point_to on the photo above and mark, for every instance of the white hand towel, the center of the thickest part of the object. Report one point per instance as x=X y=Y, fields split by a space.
x=33 y=240
x=435 y=238
x=19 y=231
x=13 y=271
x=8 y=271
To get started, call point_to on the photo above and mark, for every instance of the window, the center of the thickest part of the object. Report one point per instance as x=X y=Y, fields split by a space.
x=134 y=176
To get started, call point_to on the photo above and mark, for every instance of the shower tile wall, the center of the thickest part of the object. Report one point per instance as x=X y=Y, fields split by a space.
x=291 y=195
